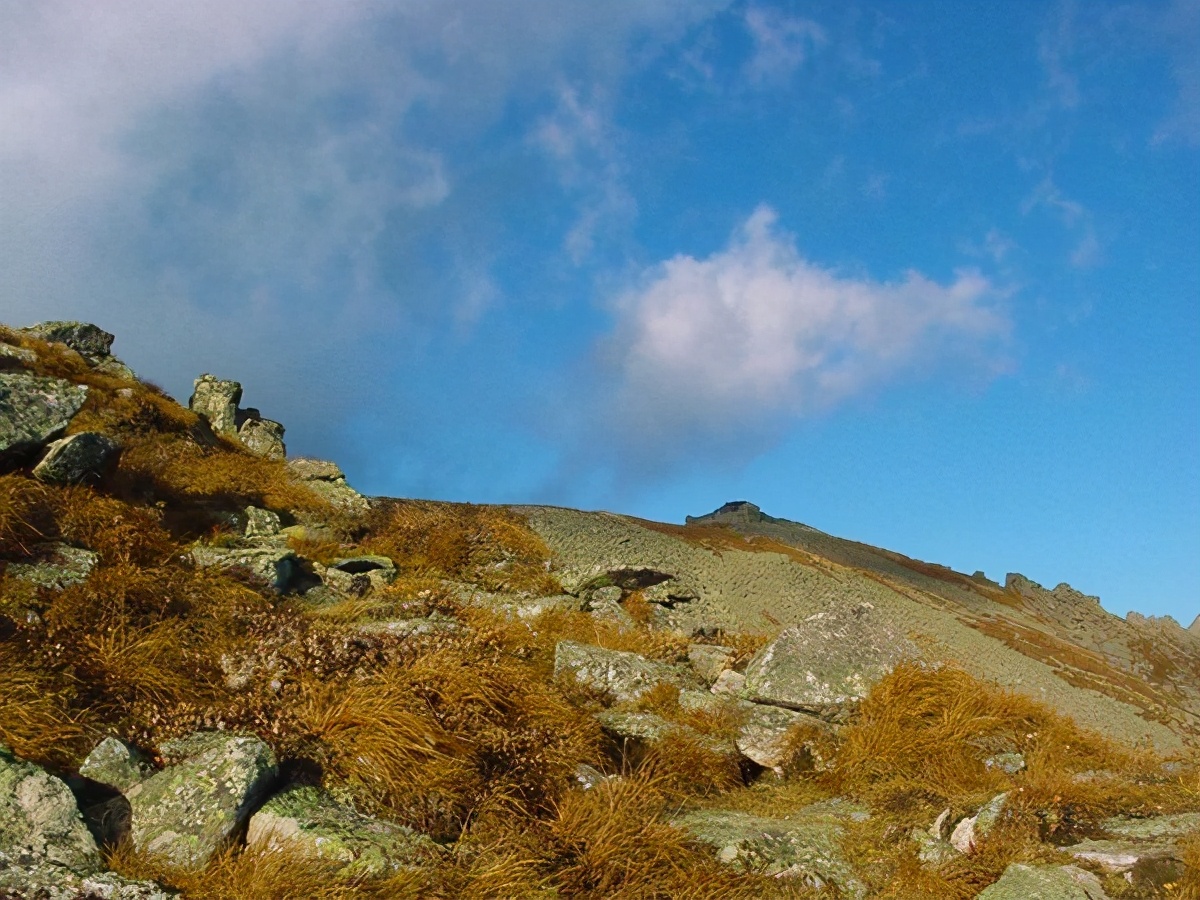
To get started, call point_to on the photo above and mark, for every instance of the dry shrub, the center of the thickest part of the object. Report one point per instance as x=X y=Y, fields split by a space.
x=487 y=545
x=553 y=626
x=118 y=531
x=1189 y=885
x=612 y=842
x=35 y=716
x=639 y=608
x=26 y=515
x=180 y=471
x=686 y=765
x=449 y=735
x=269 y=875
x=924 y=733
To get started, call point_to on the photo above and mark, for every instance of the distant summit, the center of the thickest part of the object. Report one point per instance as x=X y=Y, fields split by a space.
x=736 y=512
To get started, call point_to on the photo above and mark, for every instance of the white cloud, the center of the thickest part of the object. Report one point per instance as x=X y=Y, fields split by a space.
x=781 y=44
x=756 y=334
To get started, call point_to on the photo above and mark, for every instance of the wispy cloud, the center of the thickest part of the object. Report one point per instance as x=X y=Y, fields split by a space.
x=715 y=350
x=1075 y=217
x=782 y=43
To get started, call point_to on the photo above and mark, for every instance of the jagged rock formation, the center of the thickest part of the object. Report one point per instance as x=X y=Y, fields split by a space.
x=33 y=412
x=217 y=402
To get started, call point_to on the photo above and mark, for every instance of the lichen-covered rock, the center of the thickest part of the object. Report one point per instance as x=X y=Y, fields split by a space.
x=33 y=412
x=57 y=566
x=260 y=523
x=357 y=575
x=217 y=402
x=275 y=566
x=829 y=663
x=623 y=676
x=189 y=810
x=263 y=437
x=309 y=821
x=970 y=831
x=116 y=764
x=1008 y=763
x=78 y=458
x=40 y=825
x=648 y=729
x=420 y=625
x=709 y=660
x=804 y=846
x=589 y=778
x=729 y=684
x=1024 y=882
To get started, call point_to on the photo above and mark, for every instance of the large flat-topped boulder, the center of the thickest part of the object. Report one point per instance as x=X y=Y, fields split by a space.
x=829 y=663
x=804 y=846
x=326 y=479
x=33 y=412
x=274 y=566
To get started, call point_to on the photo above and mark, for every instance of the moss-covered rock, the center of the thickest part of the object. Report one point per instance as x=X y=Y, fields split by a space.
x=187 y=811
x=57 y=566
x=308 y=820
x=803 y=846
x=116 y=764
x=1023 y=882
x=274 y=566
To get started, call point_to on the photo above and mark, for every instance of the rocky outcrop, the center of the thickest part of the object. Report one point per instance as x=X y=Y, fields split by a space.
x=33 y=412
x=260 y=523
x=189 y=810
x=89 y=341
x=1024 y=882
x=736 y=512
x=622 y=676
x=829 y=663
x=970 y=831
x=328 y=481
x=308 y=821
x=709 y=660
x=1194 y=628
x=78 y=459
x=56 y=566
x=804 y=846
x=16 y=356
x=216 y=400
x=357 y=575
x=1145 y=852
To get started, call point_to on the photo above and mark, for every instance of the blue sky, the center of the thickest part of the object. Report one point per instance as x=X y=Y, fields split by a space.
x=920 y=274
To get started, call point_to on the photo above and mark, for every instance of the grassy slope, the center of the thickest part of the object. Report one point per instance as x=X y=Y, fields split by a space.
x=463 y=734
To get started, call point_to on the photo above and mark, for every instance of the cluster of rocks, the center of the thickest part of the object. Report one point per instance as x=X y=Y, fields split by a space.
x=790 y=696
x=217 y=401
x=215 y=788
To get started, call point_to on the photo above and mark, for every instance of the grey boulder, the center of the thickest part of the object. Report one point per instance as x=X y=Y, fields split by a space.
x=263 y=437
x=33 y=412
x=116 y=764
x=828 y=663
x=273 y=566
x=79 y=458
x=328 y=481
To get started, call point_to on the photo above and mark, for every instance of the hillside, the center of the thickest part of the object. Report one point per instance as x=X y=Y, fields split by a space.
x=224 y=672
